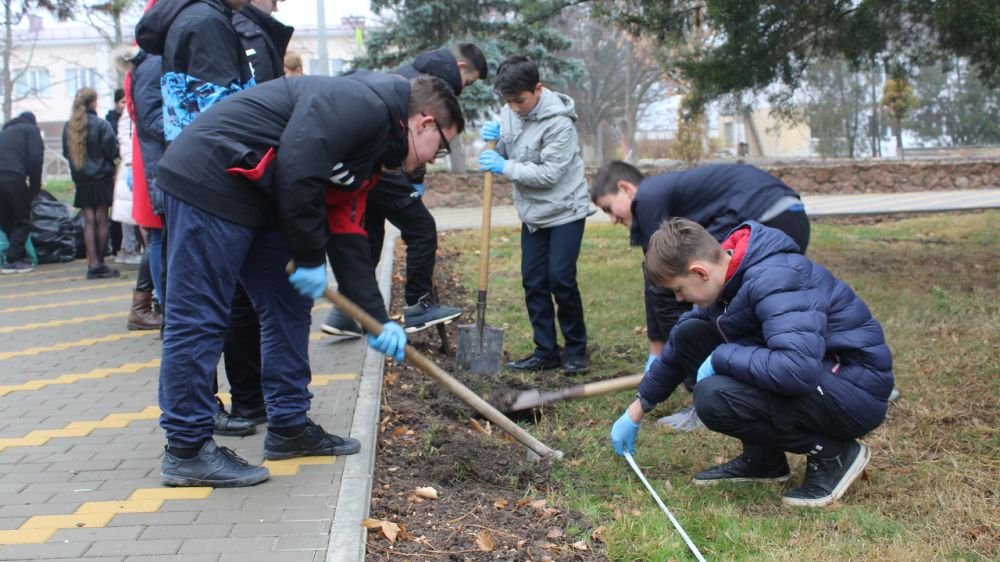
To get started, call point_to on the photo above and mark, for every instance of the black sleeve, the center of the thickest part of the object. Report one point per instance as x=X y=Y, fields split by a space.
x=352 y=264
x=108 y=141
x=147 y=98
x=319 y=137
x=35 y=160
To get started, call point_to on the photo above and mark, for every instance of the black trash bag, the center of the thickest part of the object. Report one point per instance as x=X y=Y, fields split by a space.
x=81 y=246
x=52 y=229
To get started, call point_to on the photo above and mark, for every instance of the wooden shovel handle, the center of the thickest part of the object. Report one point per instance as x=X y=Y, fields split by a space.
x=611 y=385
x=484 y=242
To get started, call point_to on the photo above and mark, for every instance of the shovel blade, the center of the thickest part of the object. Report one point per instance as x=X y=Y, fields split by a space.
x=479 y=357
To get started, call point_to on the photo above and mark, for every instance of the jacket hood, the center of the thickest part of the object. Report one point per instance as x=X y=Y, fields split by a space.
x=440 y=63
x=395 y=94
x=760 y=244
x=278 y=32
x=151 y=31
x=553 y=104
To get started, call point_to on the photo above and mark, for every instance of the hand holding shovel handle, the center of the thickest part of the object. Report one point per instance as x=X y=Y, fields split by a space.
x=437 y=373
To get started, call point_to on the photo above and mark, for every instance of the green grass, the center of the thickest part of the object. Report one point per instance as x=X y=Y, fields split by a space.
x=931 y=492
x=61 y=189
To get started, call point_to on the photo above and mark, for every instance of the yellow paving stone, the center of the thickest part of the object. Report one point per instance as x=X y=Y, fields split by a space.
x=31 y=307
x=86 y=342
x=93 y=287
x=127 y=368
x=27 y=536
x=193 y=493
x=68 y=521
x=26 y=441
x=320 y=380
x=57 y=323
x=124 y=506
x=291 y=467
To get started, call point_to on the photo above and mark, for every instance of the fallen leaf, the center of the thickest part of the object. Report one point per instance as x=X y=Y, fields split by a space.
x=485 y=542
x=399 y=431
x=390 y=378
x=978 y=531
x=427 y=492
x=580 y=545
x=500 y=504
x=549 y=512
x=598 y=534
x=554 y=533
x=537 y=504
x=388 y=529
x=488 y=430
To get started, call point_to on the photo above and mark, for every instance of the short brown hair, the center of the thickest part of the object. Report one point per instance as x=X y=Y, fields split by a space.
x=432 y=96
x=607 y=178
x=673 y=247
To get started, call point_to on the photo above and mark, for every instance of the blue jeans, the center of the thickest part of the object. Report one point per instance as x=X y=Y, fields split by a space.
x=206 y=257
x=155 y=240
x=548 y=271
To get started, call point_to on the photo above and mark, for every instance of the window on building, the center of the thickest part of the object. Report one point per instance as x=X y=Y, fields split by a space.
x=337 y=67
x=77 y=78
x=729 y=132
x=33 y=82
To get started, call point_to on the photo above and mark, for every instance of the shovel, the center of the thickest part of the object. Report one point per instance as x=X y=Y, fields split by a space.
x=431 y=369
x=479 y=347
x=534 y=398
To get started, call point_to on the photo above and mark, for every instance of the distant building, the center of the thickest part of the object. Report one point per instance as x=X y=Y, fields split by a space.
x=759 y=135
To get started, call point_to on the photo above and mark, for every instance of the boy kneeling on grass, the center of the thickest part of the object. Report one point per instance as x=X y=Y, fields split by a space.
x=788 y=358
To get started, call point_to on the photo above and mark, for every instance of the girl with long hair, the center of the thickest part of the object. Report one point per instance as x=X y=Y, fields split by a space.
x=91 y=146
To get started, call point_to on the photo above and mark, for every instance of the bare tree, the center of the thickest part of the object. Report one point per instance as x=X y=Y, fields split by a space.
x=13 y=13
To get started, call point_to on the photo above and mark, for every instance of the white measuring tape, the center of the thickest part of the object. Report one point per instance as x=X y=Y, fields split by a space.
x=656 y=496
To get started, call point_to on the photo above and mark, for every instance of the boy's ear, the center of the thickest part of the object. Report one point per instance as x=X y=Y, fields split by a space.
x=700 y=270
x=627 y=188
x=462 y=65
x=538 y=88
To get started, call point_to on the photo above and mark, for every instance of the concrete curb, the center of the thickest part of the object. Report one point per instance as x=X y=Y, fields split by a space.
x=347 y=537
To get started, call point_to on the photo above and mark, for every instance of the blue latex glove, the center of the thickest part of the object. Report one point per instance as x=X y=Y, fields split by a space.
x=128 y=178
x=309 y=281
x=706 y=369
x=491 y=130
x=391 y=342
x=419 y=187
x=491 y=161
x=623 y=435
x=649 y=363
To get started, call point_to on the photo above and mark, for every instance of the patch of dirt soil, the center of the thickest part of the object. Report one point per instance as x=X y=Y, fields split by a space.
x=489 y=496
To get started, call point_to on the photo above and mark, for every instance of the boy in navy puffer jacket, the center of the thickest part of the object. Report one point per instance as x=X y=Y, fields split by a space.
x=788 y=358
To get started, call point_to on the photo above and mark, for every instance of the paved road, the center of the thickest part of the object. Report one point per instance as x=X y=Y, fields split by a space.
x=80 y=447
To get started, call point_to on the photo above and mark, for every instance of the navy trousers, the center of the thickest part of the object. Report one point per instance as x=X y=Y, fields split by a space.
x=548 y=272
x=767 y=423
x=207 y=256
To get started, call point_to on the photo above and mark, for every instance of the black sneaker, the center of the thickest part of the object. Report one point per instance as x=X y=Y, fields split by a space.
x=17 y=267
x=534 y=363
x=255 y=416
x=425 y=314
x=742 y=469
x=576 y=364
x=827 y=479
x=218 y=467
x=228 y=424
x=312 y=442
x=339 y=324
x=102 y=272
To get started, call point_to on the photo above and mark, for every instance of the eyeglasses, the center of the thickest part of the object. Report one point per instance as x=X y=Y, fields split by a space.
x=444 y=149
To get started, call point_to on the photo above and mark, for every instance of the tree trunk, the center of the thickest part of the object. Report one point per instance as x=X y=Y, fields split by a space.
x=899 y=139
x=8 y=44
x=457 y=158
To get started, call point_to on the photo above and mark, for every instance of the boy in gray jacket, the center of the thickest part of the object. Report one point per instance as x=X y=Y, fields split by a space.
x=538 y=152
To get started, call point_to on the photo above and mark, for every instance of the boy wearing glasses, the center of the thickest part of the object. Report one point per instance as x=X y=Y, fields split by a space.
x=538 y=152
x=397 y=198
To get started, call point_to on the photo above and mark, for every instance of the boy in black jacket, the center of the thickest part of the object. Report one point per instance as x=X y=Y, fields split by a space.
x=398 y=198
x=263 y=177
x=21 y=156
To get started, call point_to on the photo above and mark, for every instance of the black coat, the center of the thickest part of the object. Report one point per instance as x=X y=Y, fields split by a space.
x=440 y=63
x=265 y=39
x=22 y=153
x=147 y=101
x=203 y=58
x=102 y=151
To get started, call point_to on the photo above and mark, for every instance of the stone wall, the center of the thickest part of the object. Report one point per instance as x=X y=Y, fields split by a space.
x=807 y=177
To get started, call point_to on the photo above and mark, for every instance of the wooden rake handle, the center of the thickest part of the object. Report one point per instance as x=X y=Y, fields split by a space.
x=484 y=242
x=438 y=374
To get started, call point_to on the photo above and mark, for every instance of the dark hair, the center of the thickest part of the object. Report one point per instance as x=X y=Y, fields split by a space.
x=607 y=178
x=432 y=95
x=119 y=94
x=673 y=247
x=472 y=55
x=516 y=74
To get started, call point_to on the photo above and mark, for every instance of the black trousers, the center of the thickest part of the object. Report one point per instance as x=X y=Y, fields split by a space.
x=548 y=273
x=398 y=202
x=665 y=306
x=768 y=424
x=15 y=217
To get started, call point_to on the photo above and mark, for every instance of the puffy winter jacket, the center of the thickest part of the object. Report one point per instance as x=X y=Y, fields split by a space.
x=544 y=162
x=265 y=41
x=102 y=150
x=203 y=58
x=146 y=101
x=439 y=62
x=791 y=328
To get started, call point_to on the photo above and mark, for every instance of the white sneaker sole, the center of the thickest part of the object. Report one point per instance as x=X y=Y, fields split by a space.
x=435 y=322
x=726 y=480
x=855 y=470
x=338 y=332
